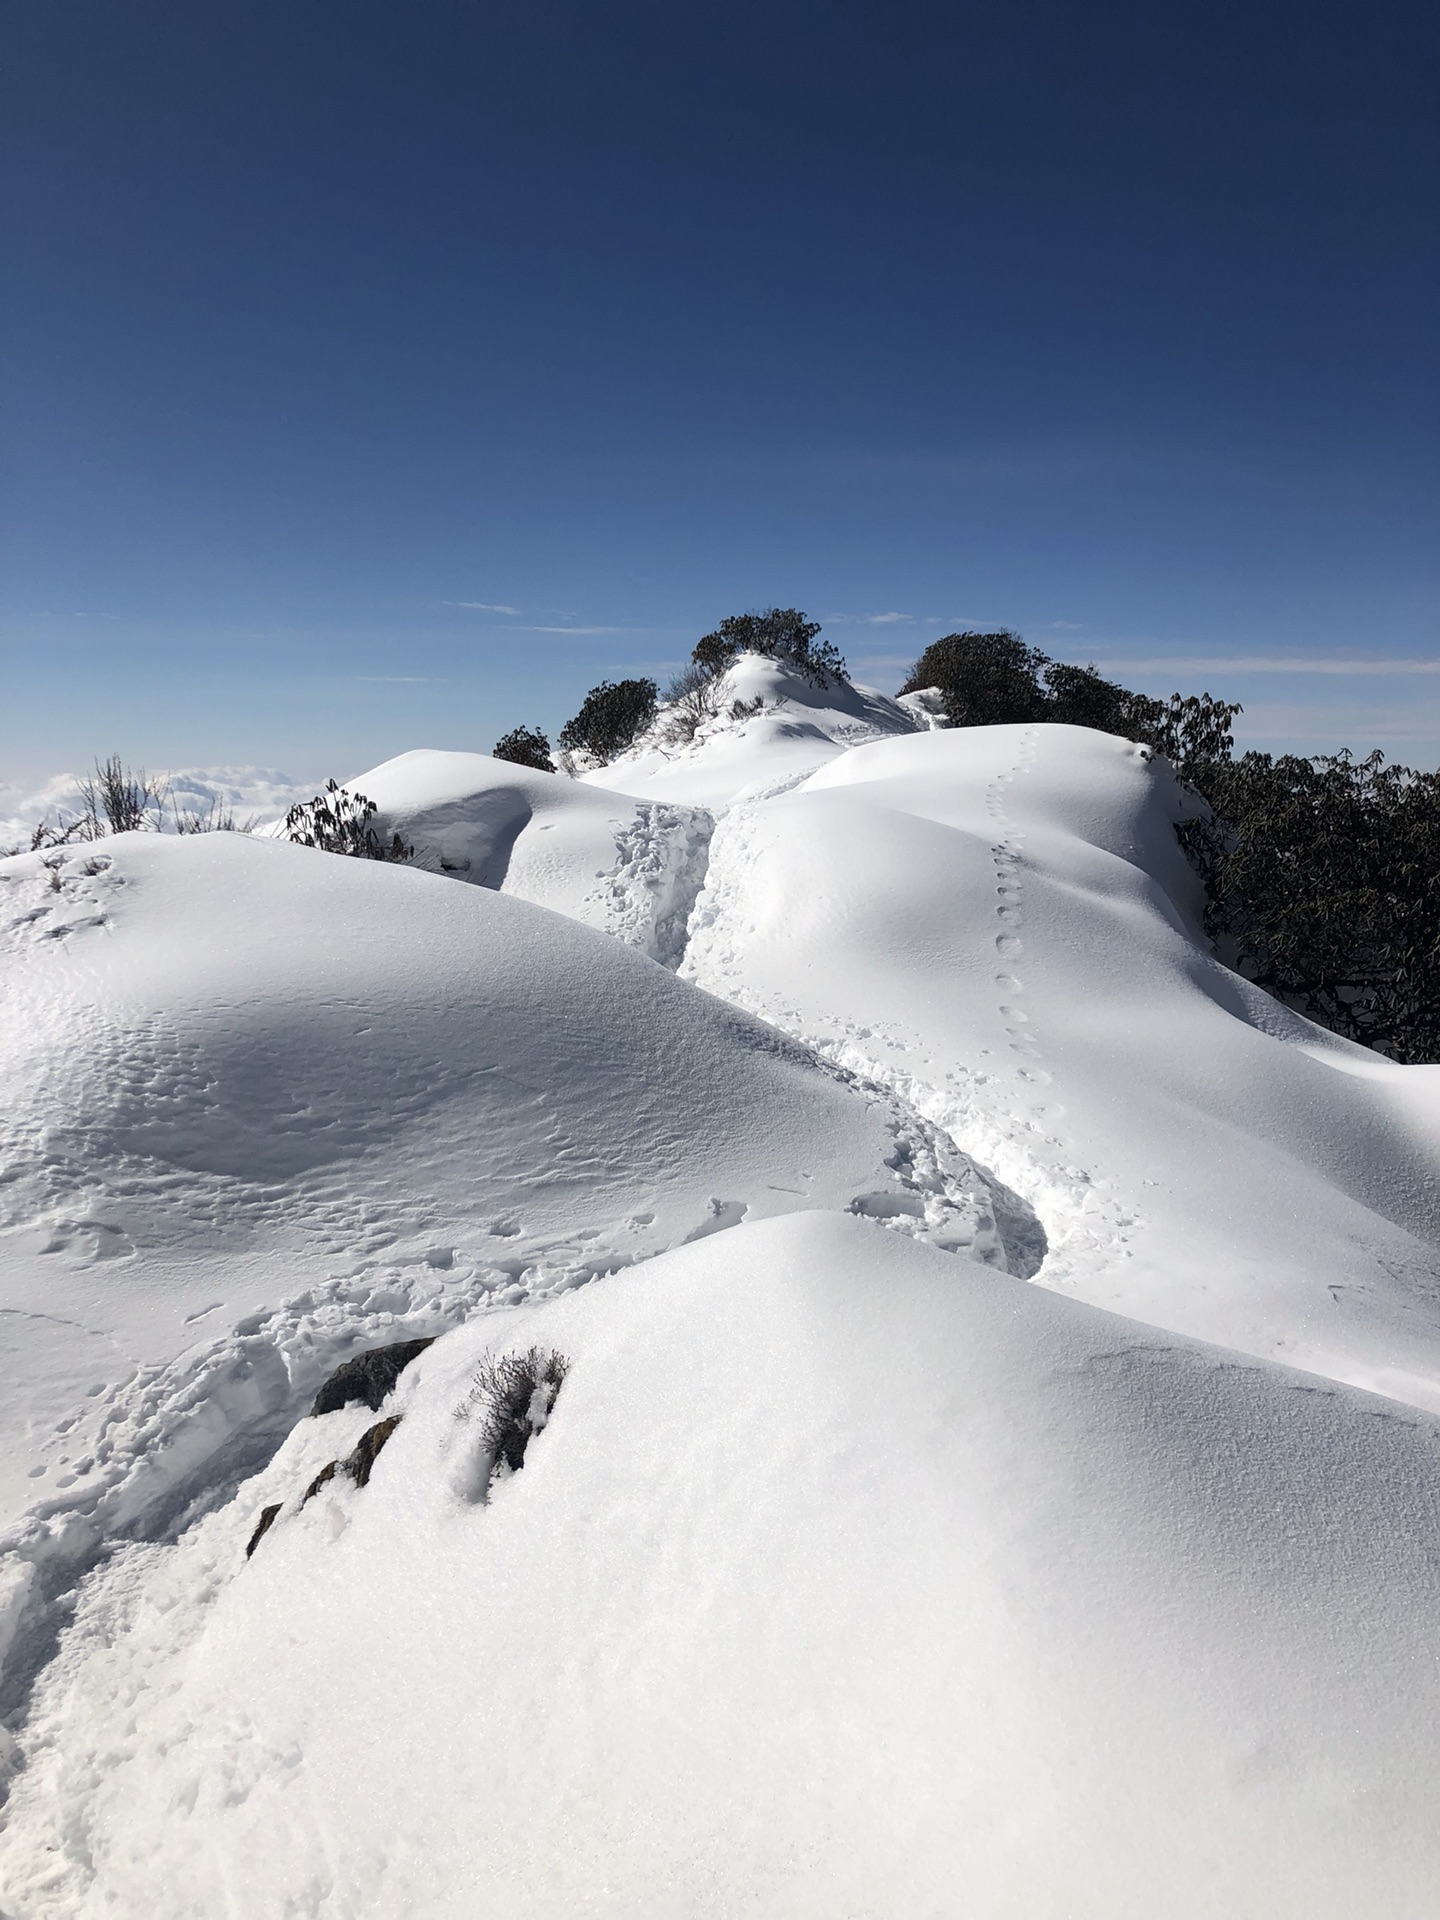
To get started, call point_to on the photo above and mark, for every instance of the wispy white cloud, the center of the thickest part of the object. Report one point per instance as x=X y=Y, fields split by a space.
x=581 y=629
x=1064 y=626
x=1265 y=663
x=481 y=606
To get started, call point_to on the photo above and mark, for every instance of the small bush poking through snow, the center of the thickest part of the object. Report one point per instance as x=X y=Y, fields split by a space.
x=692 y=697
x=512 y=1396
x=524 y=747
x=339 y=822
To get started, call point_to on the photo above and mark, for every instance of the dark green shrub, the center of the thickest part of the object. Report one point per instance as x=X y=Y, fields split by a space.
x=986 y=679
x=779 y=633
x=610 y=718
x=338 y=821
x=1320 y=874
x=1320 y=881
x=1080 y=697
x=995 y=679
x=524 y=747
x=1192 y=730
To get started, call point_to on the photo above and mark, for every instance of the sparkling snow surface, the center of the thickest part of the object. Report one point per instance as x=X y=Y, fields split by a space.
x=934 y=1519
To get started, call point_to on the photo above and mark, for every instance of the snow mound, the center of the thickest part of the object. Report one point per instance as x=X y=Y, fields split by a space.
x=797 y=727
x=626 y=867
x=829 y=1587
x=998 y=923
x=261 y=1103
x=724 y=1547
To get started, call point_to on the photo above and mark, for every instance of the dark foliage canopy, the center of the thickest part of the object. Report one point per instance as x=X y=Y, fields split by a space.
x=987 y=679
x=610 y=717
x=524 y=747
x=780 y=633
x=1320 y=881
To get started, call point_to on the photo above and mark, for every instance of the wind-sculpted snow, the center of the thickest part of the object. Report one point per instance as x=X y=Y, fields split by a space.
x=262 y=1103
x=830 y=1573
x=771 y=724
x=998 y=923
x=628 y=868
x=829 y=1586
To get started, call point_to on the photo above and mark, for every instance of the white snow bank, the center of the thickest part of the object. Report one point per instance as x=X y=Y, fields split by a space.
x=843 y=1580
x=270 y=1100
x=799 y=727
x=998 y=923
x=626 y=867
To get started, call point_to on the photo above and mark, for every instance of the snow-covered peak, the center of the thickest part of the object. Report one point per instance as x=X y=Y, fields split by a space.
x=768 y=726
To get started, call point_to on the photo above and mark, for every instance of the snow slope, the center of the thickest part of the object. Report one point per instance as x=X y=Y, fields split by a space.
x=249 y=1084
x=998 y=923
x=847 y=1577
x=799 y=727
x=629 y=868
x=843 y=1580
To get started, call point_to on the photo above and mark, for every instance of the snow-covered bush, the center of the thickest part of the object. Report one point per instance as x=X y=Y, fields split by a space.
x=338 y=821
x=511 y=1397
x=217 y=818
x=116 y=799
x=524 y=747
x=611 y=716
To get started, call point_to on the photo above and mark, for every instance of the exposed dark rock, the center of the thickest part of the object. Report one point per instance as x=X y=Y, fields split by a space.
x=367 y=1377
x=263 y=1526
x=359 y=1463
x=362 y=1460
x=322 y=1478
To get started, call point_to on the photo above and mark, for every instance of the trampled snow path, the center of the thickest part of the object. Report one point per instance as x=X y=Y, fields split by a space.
x=1002 y=1116
x=649 y=895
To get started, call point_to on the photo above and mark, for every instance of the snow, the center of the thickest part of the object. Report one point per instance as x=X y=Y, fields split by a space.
x=629 y=868
x=998 y=923
x=995 y=1470
x=799 y=727
x=833 y=1585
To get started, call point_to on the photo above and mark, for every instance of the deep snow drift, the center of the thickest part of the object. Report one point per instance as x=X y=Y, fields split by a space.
x=863 y=1563
x=245 y=1078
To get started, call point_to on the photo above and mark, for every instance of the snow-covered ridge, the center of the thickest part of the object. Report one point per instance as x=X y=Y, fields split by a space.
x=756 y=1076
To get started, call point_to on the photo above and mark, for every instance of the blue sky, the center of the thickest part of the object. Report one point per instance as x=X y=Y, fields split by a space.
x=380 y=376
